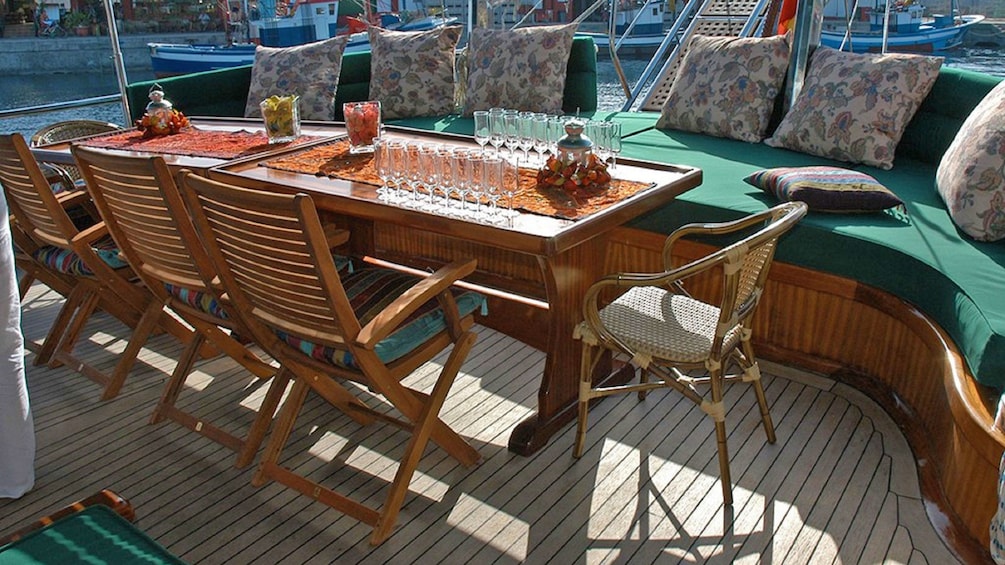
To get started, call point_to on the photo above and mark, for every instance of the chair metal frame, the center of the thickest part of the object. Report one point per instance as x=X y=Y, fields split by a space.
x=42 y=220
x=744 y=266
x=247 y=233
x=147 y=218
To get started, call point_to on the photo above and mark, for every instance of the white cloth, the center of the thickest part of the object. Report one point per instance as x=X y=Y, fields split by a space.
x=17 y=432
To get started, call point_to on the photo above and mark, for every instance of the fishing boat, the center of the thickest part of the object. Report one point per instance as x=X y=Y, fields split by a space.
x=282 y=26
x=909 y=30
x=886 y=447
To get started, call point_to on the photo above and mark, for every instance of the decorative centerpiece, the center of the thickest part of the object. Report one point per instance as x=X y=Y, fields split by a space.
x=160 y=117
x=282 y=118
x=575 y=169
x=362 y=123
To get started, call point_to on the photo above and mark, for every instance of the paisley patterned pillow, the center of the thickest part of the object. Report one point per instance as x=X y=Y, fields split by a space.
x=727 y=87
x=310 y=71
x=971 y=176
x=523 y=68
x=854 y=107
x=412 y=73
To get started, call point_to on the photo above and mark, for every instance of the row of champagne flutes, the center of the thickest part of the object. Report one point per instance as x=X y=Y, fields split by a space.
x=451 y=180
x=528 y=131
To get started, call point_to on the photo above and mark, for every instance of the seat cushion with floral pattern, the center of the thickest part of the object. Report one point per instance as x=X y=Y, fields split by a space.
x=369 y=291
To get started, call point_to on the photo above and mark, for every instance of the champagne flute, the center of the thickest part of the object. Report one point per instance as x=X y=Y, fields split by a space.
x=494 y=179
x=429 y=170
x=512 y=139
x=497 y=128
x=615 y=141
x=541 y=143
x=526 y=133
x=398 y=159
x=382 y=164
x=459 y=171
x=413 y=170
x=483 y=130
x=444 y=156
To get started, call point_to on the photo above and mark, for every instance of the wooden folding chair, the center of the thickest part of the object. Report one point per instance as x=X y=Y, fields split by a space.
x=374 y=326
x=84 y=262
x=661 y=329
x=147 y=218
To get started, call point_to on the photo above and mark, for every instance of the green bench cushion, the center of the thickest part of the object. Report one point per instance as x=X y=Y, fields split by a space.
x=96 y=534
x=921 y=258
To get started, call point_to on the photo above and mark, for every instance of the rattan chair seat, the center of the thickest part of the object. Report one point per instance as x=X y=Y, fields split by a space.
x=659 y=324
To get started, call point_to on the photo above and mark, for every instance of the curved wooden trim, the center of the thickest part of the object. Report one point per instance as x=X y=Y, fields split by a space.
x=891 y=351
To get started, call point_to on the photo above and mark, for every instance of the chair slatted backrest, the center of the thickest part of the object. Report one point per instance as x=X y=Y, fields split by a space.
x=138 y=212
x=277 y=254
x=36 y=207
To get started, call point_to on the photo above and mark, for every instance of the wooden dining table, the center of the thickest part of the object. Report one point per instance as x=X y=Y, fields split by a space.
x=534 y=269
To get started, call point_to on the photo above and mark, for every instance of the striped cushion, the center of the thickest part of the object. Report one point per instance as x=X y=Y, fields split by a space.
x=68 y=262
x=370 y=290
x=826 y=189
x=197 y=299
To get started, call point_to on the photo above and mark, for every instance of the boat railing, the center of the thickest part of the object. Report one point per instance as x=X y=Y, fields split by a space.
x=59 y=106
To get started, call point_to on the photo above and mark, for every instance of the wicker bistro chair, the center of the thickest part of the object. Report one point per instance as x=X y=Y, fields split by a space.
x=374 y=326
x=63 y=175
x=147 y=218
x=664 y=331
x=85 y=263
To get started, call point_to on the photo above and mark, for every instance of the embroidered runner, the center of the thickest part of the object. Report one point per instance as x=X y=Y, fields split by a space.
x=333 y=160
x=193 y=142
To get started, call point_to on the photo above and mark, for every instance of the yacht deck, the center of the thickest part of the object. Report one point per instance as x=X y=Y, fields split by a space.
x=839 y=486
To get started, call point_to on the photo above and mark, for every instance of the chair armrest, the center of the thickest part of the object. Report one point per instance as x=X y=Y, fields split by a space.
x=403 y=306
x=90 y=235
x=72 y=198
x=720 y=228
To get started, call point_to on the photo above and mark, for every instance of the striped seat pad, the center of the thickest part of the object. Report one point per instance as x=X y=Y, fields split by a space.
x=68 y=262
x=370 y=290
x=198 y=299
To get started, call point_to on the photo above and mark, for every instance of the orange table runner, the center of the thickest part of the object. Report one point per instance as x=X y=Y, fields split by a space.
x=193 y=142
x=333 y=160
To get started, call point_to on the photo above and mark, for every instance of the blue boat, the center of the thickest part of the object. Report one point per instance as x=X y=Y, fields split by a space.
x=304 y=22
x=908 y=28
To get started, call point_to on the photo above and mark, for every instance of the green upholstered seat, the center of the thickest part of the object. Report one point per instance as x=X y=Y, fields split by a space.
x=96 y=534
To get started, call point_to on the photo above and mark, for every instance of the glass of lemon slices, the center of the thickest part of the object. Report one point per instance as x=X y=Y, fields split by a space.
x=282 y=118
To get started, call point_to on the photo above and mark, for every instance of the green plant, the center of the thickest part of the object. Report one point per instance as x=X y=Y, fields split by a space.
x=74 y=19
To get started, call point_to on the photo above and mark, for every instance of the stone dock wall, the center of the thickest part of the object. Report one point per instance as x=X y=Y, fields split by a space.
x=31 y=55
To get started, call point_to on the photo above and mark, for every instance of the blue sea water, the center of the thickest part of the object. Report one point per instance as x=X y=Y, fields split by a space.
x=28 y=90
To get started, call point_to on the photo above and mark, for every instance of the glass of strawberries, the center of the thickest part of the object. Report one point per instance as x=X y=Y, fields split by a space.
x=362 y=123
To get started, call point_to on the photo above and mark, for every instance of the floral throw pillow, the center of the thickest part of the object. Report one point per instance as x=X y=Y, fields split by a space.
x=971 y=176
x=412 y=73
x=523 y=68
x=826 y=189
x=854 y=107
x=310 y=71
x=727 y=86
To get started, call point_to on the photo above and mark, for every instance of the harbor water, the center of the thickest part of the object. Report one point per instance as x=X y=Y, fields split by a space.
x=20 y=91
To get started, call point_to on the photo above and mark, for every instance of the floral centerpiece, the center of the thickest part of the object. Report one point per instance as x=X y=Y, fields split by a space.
x=160 y=117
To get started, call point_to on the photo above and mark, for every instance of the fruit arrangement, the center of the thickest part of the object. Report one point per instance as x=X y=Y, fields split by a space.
x=156 y=124
x=575 y=178
x=362 y=122
x=280 y=115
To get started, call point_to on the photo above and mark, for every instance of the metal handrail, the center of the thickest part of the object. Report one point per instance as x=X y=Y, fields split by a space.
x=686 y=15
x=56 y=106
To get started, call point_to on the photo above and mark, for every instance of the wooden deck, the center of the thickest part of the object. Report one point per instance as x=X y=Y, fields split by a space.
x=840 y=486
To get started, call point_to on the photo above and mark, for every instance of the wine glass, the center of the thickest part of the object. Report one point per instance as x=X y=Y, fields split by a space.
x=476 y=180
x=429 y=171
x=512 y=139
x=511 y=186
x=413 y=170
x=526 y=133
x=459 y=172
x=398 y=159
x=497 y=128
x=597 y=131
x=541 y=143
x=483 y=130
x=615 y=141
x=383 y=166
x=444 y=157
x=494 y=179
x=556 y=129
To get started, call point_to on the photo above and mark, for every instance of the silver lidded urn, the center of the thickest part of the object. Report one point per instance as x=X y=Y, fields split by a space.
x=574 y=146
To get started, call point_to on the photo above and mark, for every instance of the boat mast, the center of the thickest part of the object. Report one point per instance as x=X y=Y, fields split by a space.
x=886 y=26
x=120 y=67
